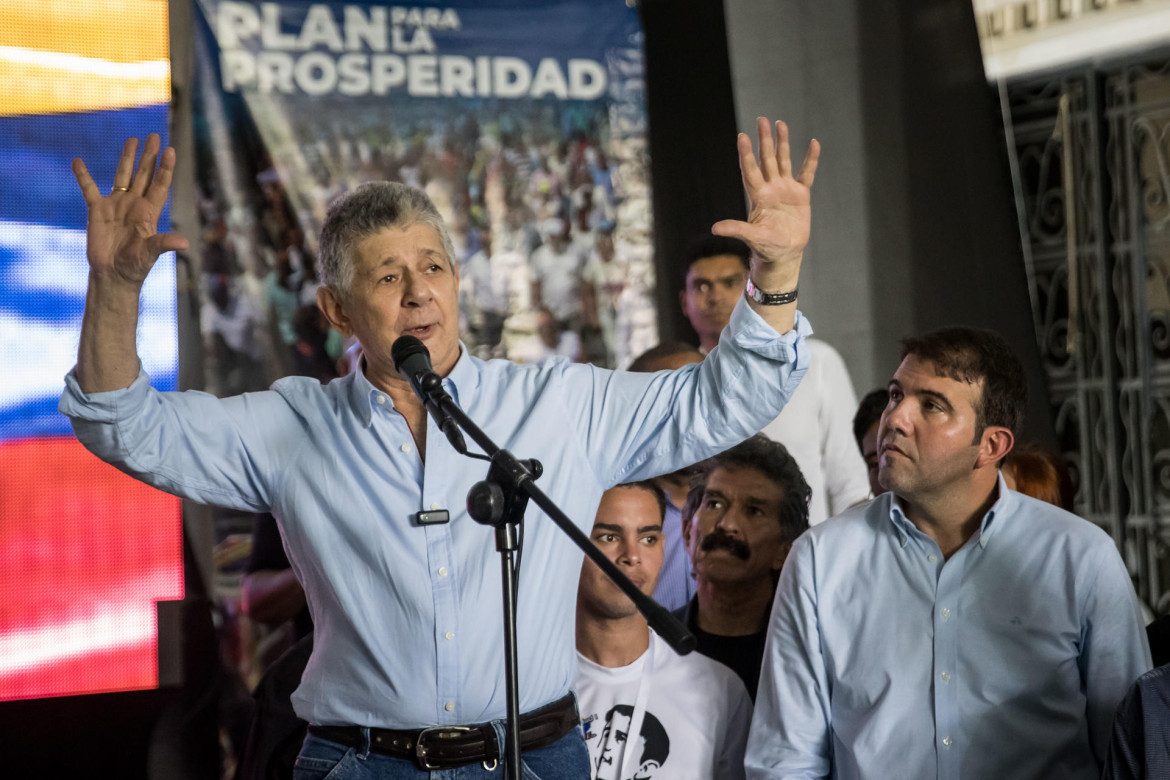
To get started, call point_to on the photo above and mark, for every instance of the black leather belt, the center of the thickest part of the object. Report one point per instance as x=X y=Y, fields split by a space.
x=446 y=747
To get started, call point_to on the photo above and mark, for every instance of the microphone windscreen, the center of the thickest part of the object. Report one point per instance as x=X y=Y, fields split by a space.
x=406 y=347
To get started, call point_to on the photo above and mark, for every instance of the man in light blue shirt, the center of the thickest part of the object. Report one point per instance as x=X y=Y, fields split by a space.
x=951 y=628
x=408 y=621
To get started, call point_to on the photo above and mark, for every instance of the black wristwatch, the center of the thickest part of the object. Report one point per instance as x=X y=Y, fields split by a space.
x=769 y=299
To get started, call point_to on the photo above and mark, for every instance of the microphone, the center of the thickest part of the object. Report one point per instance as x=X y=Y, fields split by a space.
x=412 y=359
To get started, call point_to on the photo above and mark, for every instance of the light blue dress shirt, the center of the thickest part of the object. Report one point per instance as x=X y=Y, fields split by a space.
x=1006 y=661
x=408 y=619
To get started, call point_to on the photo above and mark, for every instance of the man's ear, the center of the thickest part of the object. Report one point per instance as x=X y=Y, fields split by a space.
x=688 y=528
x=329 y=302
x=994 y=445
x=682 y=303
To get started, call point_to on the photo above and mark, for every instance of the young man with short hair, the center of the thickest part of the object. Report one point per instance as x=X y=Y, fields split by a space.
x=648 y=712
x=815 y=425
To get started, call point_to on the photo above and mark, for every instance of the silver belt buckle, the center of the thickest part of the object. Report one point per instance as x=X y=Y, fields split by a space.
x=439 y=732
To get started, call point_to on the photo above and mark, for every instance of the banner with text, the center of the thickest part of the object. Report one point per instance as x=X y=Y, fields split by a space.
x=525 y=122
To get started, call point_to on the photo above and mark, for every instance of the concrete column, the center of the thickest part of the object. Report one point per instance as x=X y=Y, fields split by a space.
x=803 y=61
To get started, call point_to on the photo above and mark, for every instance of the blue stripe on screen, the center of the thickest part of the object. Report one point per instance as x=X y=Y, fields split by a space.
x=36 y=153
x=38 y=188
x=38 y=417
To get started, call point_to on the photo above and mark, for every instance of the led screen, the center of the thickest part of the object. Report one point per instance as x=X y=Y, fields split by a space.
x=85 y=552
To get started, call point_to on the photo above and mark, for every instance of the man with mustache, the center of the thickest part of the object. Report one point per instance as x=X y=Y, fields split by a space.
x=742 y=516
x=950 y=628
x=646 y=711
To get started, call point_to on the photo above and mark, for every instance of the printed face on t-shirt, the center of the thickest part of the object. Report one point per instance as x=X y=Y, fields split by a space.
x=651 y=746
x=613 y=738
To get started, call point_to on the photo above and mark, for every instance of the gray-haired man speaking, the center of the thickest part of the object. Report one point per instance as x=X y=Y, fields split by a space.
x=406 y=671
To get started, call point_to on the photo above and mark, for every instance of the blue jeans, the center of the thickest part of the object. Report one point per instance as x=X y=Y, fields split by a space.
x=321 y=759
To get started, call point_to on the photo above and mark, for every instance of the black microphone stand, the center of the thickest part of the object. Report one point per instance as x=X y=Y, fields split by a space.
x=500 y=501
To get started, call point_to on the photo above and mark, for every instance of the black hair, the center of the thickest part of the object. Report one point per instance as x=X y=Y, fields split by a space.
x=647 y=485
x=707 y=245
x=773 y=460
x=643 y=362
x=869 y=411
x=975 y=356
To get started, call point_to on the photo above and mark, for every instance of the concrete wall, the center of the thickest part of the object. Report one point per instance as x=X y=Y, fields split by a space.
x=913 y=222
x=802 y=61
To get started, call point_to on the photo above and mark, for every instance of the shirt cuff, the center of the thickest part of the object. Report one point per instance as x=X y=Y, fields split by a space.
x=748 y=330
x=101 y=407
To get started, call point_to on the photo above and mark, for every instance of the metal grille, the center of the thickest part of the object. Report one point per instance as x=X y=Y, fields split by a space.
x=1106 y=350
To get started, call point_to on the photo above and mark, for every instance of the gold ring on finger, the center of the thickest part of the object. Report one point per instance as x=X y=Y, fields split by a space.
x=121 y=189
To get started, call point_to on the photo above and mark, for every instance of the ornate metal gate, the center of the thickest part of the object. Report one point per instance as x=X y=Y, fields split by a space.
x=1103 y=135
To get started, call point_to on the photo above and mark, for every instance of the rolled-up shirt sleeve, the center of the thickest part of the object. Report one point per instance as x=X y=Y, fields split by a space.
x=191 y=444
x=231 y=451
x=636 y=426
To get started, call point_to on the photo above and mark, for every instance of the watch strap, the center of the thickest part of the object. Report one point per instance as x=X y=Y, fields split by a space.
x=769 y=299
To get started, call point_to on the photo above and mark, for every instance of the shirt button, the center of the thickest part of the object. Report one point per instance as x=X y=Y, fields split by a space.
x=946 y=740
x=946 y=676
x=442 y=571
x=381 y=399
x=435 y=507
x=405 y=448
x=450 y=707
x=932 y=557
x=449 y=635
x=946 y=613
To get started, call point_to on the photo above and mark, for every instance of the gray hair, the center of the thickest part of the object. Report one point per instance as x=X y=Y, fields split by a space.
x=364 y=211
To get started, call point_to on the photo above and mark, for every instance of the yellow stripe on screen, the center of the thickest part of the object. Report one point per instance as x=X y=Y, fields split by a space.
x=63 y=56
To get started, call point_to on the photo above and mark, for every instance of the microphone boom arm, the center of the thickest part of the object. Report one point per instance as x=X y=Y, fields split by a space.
x=659 y=617
x=500 y=501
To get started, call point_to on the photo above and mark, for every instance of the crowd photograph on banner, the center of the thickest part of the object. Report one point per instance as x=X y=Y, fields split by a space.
x=547 y=196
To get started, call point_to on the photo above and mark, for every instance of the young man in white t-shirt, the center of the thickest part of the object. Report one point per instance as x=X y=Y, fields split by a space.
x=646 y=711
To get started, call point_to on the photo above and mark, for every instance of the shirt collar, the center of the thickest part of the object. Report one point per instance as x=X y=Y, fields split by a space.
x=464 y=378
x=1000 y=510
x=1002 y=507
x=902 y=525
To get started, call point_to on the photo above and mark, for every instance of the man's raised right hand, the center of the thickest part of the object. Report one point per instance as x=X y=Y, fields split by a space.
x=122 y=238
